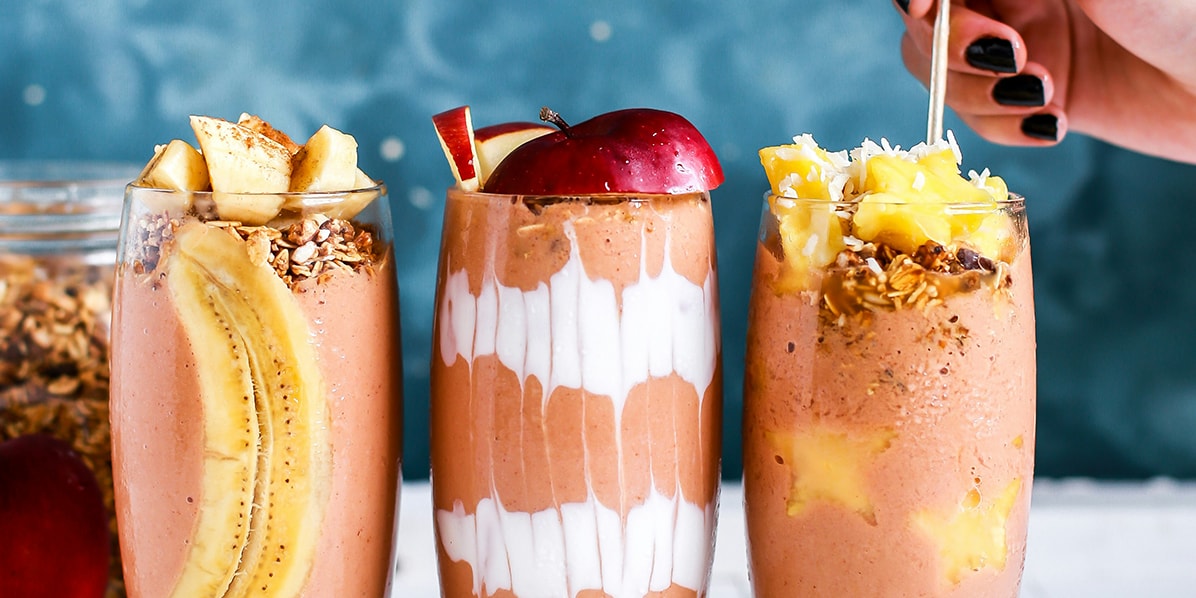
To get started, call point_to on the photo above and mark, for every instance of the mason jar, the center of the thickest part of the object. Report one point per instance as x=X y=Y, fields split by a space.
x=58 y=237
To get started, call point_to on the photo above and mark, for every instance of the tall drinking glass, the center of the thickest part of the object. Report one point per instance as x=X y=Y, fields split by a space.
x=889 y=400
x=256 y=395
x=576 y=395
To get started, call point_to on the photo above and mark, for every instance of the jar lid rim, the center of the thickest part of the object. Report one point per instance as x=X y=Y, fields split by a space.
x=20 y=173
x=43 y=199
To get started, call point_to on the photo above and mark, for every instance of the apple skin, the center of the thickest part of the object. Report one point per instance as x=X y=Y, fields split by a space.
x=635 y=150
x=454 y=129
x=55 y=528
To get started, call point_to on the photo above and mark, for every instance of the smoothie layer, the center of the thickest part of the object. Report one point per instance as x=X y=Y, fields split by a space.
x=159 y=442
x=575 y=397
x=890 y=452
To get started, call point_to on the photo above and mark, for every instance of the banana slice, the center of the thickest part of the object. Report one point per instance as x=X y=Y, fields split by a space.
x=353 y=204
x=361 y=180
x=255 y=123
x=244 y=167
x=176 y=166
x=327 y=162
x=251 y=209
x=236 y=309
x=230 y=434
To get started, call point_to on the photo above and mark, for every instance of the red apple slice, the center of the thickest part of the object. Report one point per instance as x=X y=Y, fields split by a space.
x=454 y=128
x=496 y=141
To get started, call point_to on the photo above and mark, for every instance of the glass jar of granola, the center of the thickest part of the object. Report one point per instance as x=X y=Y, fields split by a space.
x=58 y=237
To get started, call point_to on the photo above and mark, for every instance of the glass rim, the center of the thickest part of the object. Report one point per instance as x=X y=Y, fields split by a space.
x=328 y=196
x=611 y=196
x=43 y=199
x=1014 y=200
x=41 y=173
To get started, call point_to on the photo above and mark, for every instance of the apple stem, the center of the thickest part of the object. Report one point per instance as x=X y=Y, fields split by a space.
x=549 y=115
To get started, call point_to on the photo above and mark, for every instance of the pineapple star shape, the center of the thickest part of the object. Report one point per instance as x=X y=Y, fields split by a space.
x=829 y=466
x=970 y=537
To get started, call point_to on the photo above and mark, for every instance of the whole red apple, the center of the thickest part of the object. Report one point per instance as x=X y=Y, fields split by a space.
x=53 y=526
x=637 y=150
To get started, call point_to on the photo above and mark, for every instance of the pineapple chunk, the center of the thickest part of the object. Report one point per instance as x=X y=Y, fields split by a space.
x=811 y=236
x=797 y=170
x=994 y=238
x=903 y=199
x=831 y=467
x=941 y=163
x=996 y=187
x=811 y=233
x=896 y=221
x=970 y=537
x=908 y=201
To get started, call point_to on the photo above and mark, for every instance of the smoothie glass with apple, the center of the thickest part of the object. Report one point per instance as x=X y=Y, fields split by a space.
x=890 y=387
x=255 y=382
x=576 y=379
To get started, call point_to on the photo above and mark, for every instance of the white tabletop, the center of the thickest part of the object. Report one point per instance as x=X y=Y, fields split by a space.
x=1087 y=539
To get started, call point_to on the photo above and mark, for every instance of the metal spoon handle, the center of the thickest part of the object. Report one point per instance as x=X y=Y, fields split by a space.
x=938 y=72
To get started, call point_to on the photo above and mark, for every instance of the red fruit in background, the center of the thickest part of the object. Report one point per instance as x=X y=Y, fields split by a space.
x=53 y=526
x=637 y=150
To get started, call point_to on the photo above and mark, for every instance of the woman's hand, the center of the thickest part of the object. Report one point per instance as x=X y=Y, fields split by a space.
x=1024 y=72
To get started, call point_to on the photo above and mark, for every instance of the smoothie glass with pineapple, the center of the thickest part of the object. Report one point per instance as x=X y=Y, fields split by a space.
x=255 y=382
x=576 y=385
x=890 y=383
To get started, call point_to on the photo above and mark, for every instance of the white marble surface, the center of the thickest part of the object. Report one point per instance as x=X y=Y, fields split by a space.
x=1087 y=539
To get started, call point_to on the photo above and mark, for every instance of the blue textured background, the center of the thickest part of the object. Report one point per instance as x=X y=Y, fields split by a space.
x=108 y=79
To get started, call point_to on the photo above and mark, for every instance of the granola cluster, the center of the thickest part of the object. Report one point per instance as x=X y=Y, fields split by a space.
x=314 y=247
x=54 y=377
x=872 y=277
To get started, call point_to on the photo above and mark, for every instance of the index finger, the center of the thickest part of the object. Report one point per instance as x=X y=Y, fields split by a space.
x=921 y=9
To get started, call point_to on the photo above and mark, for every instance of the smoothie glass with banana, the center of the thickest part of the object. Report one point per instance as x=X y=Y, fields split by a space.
x=890 y=384
x=255 y=369
x=576 y=383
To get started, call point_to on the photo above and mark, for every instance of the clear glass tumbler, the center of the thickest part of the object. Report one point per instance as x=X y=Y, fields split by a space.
x=256 y=394
x=576 y=395
x=889 y=403
x=58 y=234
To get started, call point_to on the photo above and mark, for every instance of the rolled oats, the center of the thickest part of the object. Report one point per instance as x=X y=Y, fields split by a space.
x=876 y=277
x=314 y=246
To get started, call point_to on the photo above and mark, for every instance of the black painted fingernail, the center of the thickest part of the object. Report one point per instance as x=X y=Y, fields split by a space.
x=992 y=54
x=1020 y=90
x=903 y=5
x=1041 y=126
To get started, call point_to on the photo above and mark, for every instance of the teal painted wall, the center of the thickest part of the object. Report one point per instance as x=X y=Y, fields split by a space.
x=108 y=79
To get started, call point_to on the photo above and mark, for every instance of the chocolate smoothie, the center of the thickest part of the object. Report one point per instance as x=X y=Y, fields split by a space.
x=890 y=382
x=306 y=319
x=576 y=395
